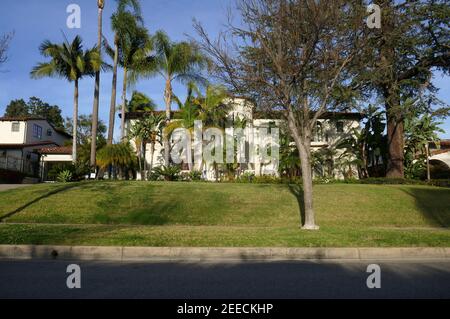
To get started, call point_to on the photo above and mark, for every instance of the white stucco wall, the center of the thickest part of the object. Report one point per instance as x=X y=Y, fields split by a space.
x=55 y=136
x=243 y=108
x=7 y=136
x=25 y=133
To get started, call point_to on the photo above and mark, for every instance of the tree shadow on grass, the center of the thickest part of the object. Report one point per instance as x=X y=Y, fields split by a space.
x=46 y=195
x=297 y=191
x=113 y=211
x=157 y=214
x=433 y=203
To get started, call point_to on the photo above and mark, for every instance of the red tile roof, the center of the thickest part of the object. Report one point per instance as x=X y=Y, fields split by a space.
x=21 y=118
x=64 y=150
x=20 y=146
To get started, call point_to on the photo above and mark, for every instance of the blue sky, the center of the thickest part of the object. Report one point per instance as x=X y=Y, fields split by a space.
x=36 y=20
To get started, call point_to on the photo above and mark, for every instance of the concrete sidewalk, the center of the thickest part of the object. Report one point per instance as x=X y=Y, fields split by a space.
x=198 y=254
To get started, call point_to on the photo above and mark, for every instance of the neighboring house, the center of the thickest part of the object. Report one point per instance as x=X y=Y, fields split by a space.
x=440 y=159
x=51 y=156
x=21 y=139
x=331 y=129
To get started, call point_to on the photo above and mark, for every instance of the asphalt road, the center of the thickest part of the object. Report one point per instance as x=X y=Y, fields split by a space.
x=225 y=280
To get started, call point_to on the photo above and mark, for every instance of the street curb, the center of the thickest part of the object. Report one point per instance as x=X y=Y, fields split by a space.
x=98 y=253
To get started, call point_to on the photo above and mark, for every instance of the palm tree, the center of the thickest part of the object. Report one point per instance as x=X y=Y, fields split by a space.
x=117 y=155
x=173 y=61
x=188 y=111
x=134 y=44
x=69 y=61
x=147 y=131
x=118 y=26
x=136 y=133
x=141 y=103
x=212 y=111
x=100 y=5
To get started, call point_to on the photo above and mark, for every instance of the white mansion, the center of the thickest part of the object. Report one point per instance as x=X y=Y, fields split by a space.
x=331 y=129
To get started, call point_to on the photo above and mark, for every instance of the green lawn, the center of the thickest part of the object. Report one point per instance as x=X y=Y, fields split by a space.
x=208 y=214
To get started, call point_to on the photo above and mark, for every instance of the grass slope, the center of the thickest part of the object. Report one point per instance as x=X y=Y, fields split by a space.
x=206 y=214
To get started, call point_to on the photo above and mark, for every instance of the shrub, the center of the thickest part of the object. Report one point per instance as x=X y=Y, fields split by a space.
x=440 y=182
x=167 y=173
x=79 y=171
x=64 y=177
x=120 y=155
x=247 y=177
x=193 y=176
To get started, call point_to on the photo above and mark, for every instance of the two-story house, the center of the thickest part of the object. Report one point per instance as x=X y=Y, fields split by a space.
x=331 y=129
x=21 y=139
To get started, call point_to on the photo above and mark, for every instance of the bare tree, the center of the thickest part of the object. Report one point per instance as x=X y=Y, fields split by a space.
x=5 y=40
x=291 y=56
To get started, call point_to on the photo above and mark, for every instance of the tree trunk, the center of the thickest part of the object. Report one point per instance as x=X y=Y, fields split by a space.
x=168 y=100
x=75 y=124
x=395 y=135
x=112 y=108
x=152 y=153
x=141 y=171
x=395 y=167
x=303 y=143
x=305 y=158
x=364 y=171
x=427 y=151
x=96 y=96
x=124 y=102
x=144 y=150
x=391 y=95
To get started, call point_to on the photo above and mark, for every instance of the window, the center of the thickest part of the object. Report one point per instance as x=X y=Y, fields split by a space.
x=318 y=133
x=15 y=127
x=37 y=131
x=49 y=132
x=340 y=127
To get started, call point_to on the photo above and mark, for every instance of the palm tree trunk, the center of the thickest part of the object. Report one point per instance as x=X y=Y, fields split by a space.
x=152 y=152
x=100 y=4
x=168 y=100
x=140 y=161
x=75 y=123
x=112 y=108
x=124 y=102
x=144 y=149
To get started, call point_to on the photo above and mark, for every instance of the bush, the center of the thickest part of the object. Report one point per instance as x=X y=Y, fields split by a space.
x=193 y=176
x=64 y=177
x=167 y=173
x=247 y=177
x=78 y=171
x=440 y=182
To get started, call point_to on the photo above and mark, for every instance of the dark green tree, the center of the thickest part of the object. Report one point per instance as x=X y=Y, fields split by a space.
x=84 y=135
x=17 y=108
x=141 y=103
x=37 y=107
x=413 y=41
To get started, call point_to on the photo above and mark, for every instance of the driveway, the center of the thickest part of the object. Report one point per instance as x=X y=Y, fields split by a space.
x=5 y=187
